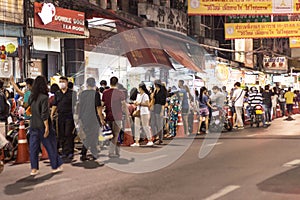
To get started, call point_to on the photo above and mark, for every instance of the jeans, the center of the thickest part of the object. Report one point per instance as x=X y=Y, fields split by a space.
x=36 y=137
x=65 y=135
x=144 y=121
x=157 y=124
x=282 y=108
x=116 y=127
x=239 y=112
x=267 y=110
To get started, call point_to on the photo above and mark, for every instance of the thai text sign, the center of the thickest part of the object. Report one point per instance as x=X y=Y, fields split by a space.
x=47 y=16
x=275 y=63
x=242 y=7
x=262 y=30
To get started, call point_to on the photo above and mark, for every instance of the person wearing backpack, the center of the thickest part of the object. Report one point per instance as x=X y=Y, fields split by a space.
x=4 y=106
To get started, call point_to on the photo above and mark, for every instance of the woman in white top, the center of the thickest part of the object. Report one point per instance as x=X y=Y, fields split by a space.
x=142 y=103
x=274 y=103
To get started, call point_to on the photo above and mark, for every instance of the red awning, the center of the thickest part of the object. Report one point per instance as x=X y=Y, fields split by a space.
x=149 y=46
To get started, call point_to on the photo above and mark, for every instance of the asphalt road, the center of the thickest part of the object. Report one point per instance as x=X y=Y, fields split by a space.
x=249 y=164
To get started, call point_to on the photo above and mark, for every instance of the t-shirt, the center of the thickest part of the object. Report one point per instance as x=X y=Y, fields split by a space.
x=203 y=101
x=112 y=99
x=64 y=102
x=289 y=96
x=183 y=98
x=255 y=98
x=218 y=99
x=239 y=97
x=89 y=100
x=267 y=98
x=142 y=99
x=26 y=98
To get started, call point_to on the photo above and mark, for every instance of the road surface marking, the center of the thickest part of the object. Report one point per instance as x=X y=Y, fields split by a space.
x=47 y=183
x=292 y=163
x=252 y=135
x=223 y=192
x=218 y=143
x=155 y=158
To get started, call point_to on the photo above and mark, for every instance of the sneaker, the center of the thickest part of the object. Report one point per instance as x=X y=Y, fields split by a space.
x=240 y=127
x=34 y=172
x=149 y=143
x=158 y=142
x=135 y=145
x=57 y=170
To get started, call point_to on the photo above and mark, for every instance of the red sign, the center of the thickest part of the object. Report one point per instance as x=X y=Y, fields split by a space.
x=47 y=16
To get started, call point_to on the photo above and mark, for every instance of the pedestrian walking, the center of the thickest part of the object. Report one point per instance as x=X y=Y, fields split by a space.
x=64 y=105
x=274 y=103
x=204 y=103
x=184 y=105
x=114 y=102
x=238 y=103
x=41 y=130
x=88 y=113
x=158 y=101
x=282 y=102
x=289 y=98
x=142 y=121
x=267 y=103
x=174 y=108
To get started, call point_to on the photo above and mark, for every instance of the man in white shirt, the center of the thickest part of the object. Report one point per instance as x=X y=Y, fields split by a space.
x=238 y=99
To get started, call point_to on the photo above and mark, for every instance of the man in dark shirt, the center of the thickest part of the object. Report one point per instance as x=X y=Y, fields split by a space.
x=267 y=104
x=89 y=107
x=159 y=97
x=63 y=103
x=113 y=100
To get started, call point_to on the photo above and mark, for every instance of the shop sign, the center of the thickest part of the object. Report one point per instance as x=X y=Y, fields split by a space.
x=35 y=69
x=242 y=7
x=164 y=17
x=294 y=42
x=6 y=68
x=262 y=30
x=275 y=64
x=47 y=16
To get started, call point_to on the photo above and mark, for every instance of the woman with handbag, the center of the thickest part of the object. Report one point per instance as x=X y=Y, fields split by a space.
x=142 y=116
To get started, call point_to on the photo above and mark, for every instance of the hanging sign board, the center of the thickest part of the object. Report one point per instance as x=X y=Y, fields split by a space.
x=262 y=30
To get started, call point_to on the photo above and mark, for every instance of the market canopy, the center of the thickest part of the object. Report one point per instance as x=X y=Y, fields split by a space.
x=153 y=47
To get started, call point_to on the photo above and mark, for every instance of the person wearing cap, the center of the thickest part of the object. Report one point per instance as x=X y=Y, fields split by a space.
x=64 y=105
x=158 y=101
x=88 y=112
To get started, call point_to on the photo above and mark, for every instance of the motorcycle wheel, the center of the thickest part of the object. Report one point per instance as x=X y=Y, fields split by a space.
x=229 y=126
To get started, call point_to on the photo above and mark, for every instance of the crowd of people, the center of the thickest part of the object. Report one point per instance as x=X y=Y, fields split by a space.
x=154 y=111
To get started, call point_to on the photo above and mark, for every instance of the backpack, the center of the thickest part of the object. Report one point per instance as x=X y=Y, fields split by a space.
x=4 y=107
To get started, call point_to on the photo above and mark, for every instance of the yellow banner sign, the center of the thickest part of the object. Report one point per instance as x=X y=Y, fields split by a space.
x=262 y=30
x=294 y=42
x=242 y=7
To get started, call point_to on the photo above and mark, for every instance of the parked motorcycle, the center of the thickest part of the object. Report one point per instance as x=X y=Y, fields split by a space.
x=220 y=120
